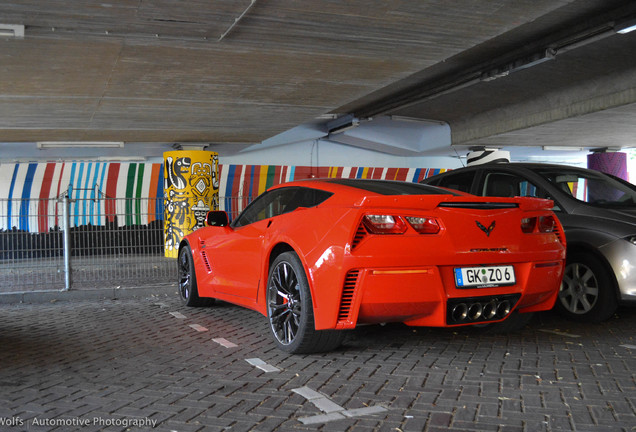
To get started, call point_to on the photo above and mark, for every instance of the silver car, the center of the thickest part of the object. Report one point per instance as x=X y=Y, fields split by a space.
x=598 y=213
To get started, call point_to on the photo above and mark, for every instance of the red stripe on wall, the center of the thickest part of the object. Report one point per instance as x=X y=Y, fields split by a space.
x=391 y=173
x=322 y=172
x=277 y=179
x=57 y=194
x=304 y=172
x=45 y=191
x=401 y=174
x=237 y=180
x=155 y=175
x=111 y=191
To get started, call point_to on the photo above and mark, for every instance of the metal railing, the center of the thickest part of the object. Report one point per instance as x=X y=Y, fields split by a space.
x=76 y=243
x=234 y=205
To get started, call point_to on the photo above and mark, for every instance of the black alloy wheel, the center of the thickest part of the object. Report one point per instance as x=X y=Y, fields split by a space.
x=188 y=291
x=290 y=310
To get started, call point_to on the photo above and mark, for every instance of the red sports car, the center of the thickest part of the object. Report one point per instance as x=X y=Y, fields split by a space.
x=321 y=256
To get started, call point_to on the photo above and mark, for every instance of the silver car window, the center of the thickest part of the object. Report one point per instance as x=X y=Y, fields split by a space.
x=592 y=187
x=508 y=185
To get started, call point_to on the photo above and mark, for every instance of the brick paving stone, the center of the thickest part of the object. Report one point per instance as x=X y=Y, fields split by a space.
x=130 y=358
x=416 y=423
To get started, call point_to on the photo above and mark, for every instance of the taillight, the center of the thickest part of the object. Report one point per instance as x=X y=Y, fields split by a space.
x=542 y=224
x=384 y=224
x=546 y=224
x=389 y=224
x=527 y=224
x=424 y=225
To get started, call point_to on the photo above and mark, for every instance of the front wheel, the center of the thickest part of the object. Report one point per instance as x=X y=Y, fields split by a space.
x=188 y=291
x=587 y=292
x=290 y=310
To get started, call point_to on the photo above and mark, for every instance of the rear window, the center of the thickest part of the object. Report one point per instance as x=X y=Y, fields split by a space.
x=461 y=181
x=388 y=187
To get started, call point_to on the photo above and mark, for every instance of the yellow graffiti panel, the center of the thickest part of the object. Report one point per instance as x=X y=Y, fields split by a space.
x=191 y=189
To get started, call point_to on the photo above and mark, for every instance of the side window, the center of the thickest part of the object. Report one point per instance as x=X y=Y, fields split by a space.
x=510 y=185
x=504 y=185
x=459 y=181
x=280 y=201
x=265 y=206
x=305 y=197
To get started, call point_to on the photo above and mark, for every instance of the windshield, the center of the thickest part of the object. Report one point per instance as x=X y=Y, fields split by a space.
x=593 y=187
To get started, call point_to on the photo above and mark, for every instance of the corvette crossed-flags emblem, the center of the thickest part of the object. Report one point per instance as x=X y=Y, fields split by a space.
x=484 y=229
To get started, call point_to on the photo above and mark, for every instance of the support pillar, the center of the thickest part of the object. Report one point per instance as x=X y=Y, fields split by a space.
x=191 y=189
x=614 y=163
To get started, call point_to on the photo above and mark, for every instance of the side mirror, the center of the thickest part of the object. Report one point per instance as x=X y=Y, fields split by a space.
x=217 y=218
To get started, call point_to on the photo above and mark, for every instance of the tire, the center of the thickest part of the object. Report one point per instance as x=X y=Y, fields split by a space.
x=188 y=291
x=290 y=310
x=587 y=291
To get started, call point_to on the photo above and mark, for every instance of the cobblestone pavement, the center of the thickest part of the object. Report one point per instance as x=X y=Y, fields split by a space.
x=132 y=364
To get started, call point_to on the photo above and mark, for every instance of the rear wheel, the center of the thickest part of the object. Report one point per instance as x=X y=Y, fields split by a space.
x=587 y=292
x=290 y=310
x=188 y=291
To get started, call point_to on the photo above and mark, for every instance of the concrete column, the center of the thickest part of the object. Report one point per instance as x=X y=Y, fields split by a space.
x=191 y=189
x=614 y=163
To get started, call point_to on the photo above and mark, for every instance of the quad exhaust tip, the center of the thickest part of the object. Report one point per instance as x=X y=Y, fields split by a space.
x=464 y=311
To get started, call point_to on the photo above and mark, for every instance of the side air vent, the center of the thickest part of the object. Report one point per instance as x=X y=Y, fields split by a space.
x=348 y=290
x=560 y=234
x=479 y=205
x=361 y=233
x=204 y=256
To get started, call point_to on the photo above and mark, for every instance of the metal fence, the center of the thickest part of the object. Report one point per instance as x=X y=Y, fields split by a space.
x=86 y=243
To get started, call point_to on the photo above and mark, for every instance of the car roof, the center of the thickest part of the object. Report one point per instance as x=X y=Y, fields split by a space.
x=533 y=167
x=528 y=165
x=381 y=187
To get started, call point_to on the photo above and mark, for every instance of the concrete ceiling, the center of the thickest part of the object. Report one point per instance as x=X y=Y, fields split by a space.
x=239 y=72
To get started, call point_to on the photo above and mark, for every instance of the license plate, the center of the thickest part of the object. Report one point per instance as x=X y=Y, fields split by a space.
x=484 y=277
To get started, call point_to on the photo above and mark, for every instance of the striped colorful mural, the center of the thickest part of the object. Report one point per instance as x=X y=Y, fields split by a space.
x=252 y=180
x=29 y=191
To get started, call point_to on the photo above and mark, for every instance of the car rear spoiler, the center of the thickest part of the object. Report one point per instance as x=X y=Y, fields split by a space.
x=429 y=202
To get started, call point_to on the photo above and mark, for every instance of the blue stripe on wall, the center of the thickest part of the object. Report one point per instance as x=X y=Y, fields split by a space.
x=102 y=192
x=252 y=179
x=9 y=207
x=26 y=194
x=71 y=187
x=89 y=167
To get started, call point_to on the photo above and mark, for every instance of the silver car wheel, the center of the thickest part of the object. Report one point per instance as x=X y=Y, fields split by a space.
x=579 y=288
